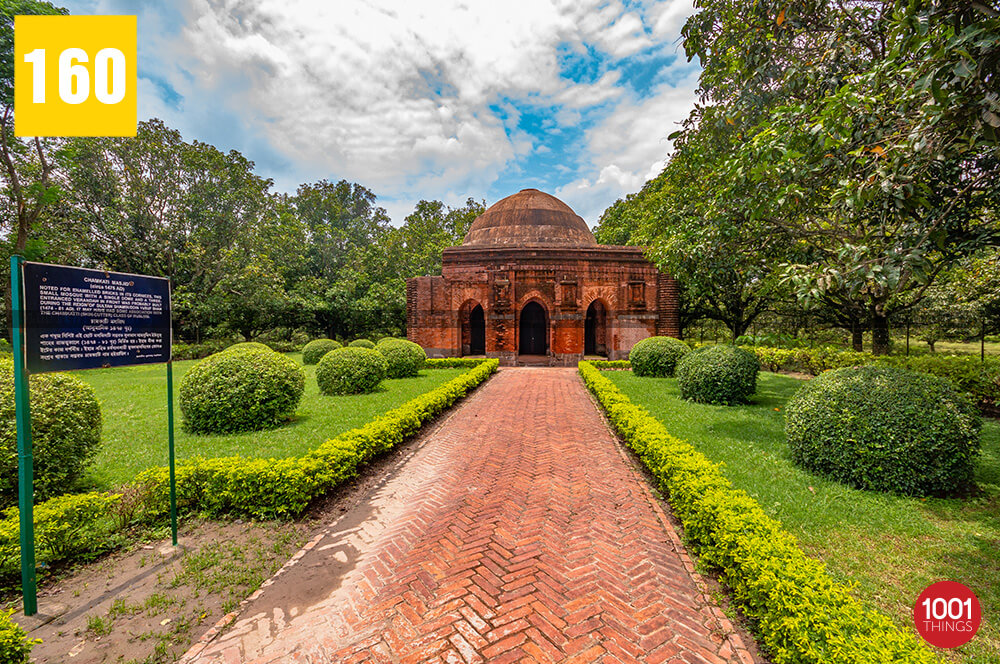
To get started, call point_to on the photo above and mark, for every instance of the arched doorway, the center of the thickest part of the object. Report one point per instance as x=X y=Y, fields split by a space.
x=473 y=328
x=595 y=329
x=477 y=331
x=533 y=330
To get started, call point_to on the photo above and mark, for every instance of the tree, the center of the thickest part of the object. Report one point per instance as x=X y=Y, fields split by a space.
x=27 y=163
x=870 y=137
x=432 y=227
x=341 y=224
x=155 y=204
x=29 y=183
x=941 y=316
x=725 y=262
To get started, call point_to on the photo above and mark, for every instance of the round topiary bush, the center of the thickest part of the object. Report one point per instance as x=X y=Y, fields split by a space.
x=405 y=358
x=657 y=356
x=720 y=374
x=351 y=371
x=65 y=431
x=362 y=343
x=885 y=429
x=314 y=351
x=240 y=390
x=253 y=346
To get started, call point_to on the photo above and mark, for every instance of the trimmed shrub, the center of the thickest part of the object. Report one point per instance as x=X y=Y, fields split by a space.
x=84 y=525
x=278 y=488
x=362 y=343
x=453 y=362
x=885 y=429
x=611 y=364
x=980 y=380
x=657 y=356
x=240 y=390
x=65 y=526
x=248 y=346
x=65 y=428
x=799 y=614
x=14 y=642
x=720 y=374
x=314 y=351
x=405 y=358
x=350 y=371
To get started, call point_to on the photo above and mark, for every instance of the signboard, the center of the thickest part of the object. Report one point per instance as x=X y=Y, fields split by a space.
x=75 y=318
x=66 y=318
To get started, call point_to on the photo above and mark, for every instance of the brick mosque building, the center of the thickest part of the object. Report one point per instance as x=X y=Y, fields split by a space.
x=530 y=284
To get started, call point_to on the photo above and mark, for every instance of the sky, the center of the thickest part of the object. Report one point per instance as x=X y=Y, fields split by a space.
x=423 y=99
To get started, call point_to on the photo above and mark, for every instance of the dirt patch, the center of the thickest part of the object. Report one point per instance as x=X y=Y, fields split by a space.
x=149 y=604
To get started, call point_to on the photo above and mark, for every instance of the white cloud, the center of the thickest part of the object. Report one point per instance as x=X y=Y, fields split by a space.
x=629 y=148
x=412 y=99
x=669 y=17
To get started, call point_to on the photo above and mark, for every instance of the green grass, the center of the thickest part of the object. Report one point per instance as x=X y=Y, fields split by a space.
x=134 y=410
x=957 y=347
x=892 y=547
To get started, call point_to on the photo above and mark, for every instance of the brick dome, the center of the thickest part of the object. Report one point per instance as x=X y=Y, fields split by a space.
x=529 y=218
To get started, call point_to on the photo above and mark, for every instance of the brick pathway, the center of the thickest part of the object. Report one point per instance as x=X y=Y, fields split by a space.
x=517 y=533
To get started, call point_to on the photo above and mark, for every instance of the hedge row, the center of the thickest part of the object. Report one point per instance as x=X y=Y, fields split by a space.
x=261 y=488
x=64 y=527
x=980 y=380
x=276 y=488
x=454 y=362
x=14 y=642
x=183 y=351
x=801 y=615
x=611 y=364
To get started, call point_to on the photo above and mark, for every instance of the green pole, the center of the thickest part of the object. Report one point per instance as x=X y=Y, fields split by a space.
x=25 y=462
x=170 y=436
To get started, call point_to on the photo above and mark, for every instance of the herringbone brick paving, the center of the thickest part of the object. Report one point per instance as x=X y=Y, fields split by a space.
x=517 y=533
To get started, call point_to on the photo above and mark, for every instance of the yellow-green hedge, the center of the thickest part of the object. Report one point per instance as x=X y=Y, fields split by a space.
x=88 y=523
x=800 y=614
x=275 y=488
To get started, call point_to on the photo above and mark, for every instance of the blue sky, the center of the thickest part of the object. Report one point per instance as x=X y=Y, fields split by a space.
x=441 y=99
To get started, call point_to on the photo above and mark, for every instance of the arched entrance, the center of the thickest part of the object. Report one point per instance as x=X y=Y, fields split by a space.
x=533 y=330
x=473 y=328
x=595 y=329
x=477 y=331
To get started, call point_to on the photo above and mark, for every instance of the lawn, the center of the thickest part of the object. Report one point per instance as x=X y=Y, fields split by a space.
x=134 y=410
x=892 y=547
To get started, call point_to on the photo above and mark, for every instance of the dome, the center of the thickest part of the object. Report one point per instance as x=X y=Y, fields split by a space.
x=529 y=218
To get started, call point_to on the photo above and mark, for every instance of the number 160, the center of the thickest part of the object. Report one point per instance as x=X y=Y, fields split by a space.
x=74 y=77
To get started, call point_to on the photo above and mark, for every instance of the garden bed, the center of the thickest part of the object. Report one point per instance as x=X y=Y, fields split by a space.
x=270 y=488
x=134 y=410
x=892 y=547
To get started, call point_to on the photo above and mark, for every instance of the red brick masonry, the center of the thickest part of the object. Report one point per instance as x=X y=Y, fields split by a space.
x=530 y=279
x=519 y=532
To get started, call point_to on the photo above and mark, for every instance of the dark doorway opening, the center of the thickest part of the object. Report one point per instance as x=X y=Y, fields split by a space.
x=534 y=332
x=477 y=331
x=595 y=330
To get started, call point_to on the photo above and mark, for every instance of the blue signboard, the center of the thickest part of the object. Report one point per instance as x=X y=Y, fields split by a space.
x=75 y=318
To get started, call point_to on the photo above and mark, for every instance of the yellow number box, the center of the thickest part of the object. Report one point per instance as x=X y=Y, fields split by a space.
x=75 y=76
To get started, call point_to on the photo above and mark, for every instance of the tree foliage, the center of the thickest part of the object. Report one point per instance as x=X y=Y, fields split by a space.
x=855 y=143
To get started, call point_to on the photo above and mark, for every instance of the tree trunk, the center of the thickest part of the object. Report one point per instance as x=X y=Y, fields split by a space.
x=880 y=334
x=857 y=338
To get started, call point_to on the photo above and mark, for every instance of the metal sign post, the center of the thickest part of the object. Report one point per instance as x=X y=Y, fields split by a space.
x=170 y=447
x=71 y=318
x=25 y=462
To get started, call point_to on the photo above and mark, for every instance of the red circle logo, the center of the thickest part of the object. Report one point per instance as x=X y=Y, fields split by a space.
x=947 y=614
